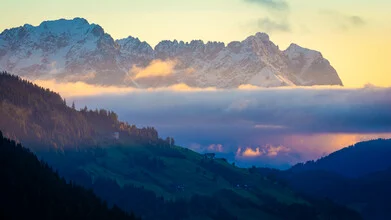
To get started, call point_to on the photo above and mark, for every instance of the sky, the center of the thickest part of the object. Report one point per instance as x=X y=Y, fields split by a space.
x=353 y=35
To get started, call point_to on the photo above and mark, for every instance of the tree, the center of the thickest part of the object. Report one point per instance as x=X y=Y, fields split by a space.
x=73 y=106
x=170 y=141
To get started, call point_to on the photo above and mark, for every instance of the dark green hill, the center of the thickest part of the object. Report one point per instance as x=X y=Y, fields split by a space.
x=369 y=194
x=354 y=161
x=358 y=176
x=29 y=189
x=135 y=169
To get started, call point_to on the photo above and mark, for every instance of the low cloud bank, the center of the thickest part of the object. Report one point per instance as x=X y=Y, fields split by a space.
x=270 y=127
x=82 y=89
x=154 y=69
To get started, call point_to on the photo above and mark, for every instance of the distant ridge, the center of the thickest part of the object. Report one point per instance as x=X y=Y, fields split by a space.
x=358 y=176
x=358 y=160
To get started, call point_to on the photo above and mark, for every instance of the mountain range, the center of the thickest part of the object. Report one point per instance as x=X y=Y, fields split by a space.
x=75 y=50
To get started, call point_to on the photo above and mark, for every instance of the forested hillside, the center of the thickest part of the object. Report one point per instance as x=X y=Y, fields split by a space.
x=29 y=189
x=42 y=119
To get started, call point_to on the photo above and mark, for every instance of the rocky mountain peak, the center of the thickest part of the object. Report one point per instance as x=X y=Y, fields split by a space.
x=133 y=45
x=78 y=50
x=294 y=51
x=262 y=36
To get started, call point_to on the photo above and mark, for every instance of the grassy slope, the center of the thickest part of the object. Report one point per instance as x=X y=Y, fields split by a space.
x=196 y=174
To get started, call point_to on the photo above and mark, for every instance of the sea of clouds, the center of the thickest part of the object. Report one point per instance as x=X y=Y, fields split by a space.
x=274 y=127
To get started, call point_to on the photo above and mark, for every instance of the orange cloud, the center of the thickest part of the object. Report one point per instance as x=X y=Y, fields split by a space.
x=182 y=87
x=78 y=89
x=72 y=89
x=269 y=151
x=248 y=87
x=154 y=69
x=249 y=152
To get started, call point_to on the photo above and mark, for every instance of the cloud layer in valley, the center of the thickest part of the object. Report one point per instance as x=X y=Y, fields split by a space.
x=252 y=126
x=154 y=69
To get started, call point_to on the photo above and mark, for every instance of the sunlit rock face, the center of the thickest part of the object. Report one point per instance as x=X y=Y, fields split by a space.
x=75 y=50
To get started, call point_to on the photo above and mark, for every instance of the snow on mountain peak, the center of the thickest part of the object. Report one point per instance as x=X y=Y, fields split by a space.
x=294 y=50
x=73 y=50
x=131 y=47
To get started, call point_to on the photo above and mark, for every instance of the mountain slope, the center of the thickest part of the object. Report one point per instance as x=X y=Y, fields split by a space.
x=41 y=119
x=358 y=177
x=137 y=170
x=74 y=50
x=354 y=161
x=29 y=189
